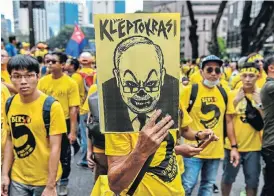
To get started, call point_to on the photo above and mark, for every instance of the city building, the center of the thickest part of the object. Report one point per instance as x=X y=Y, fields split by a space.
x=21 y=23
x=205 y=14
x=104 y=7
x=53 y=17
x=9 y=26
x=41 y=31
x=235 y=14
x=68 y=14
x=4 y=28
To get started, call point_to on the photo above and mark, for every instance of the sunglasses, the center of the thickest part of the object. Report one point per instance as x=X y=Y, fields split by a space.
x=211 y=69
x=258 y=61
x=53 y=61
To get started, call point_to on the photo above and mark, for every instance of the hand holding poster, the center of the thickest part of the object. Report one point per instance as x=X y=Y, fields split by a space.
x=137 y=63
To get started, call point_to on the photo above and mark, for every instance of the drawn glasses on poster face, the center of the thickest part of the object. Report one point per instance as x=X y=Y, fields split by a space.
x=132 y=85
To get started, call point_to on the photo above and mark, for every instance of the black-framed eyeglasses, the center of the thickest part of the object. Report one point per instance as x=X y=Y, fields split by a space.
x=211 y=69
x=51 y=60
x=19 y=77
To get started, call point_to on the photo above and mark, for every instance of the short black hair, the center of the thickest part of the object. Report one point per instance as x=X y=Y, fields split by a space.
x=62 y=56
x=251 y=64
x=40 y=59
x=20 y=62
x=193 y=61
x=75 y=63
x=268 y=61
x=11 y=38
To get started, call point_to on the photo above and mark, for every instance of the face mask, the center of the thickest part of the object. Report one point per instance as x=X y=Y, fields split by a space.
x=211 y=84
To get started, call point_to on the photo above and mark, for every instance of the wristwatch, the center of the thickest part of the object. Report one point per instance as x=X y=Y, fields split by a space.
x=259 y=106
x=234 y=146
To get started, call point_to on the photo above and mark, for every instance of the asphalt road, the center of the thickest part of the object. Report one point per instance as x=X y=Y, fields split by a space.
x=81 y=181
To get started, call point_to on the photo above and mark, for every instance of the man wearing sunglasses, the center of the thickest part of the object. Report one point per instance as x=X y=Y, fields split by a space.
x=65 y=90
x=248 y=138
x=208 y=111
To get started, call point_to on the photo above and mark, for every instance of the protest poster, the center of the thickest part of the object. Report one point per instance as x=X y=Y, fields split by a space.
x=137 y=57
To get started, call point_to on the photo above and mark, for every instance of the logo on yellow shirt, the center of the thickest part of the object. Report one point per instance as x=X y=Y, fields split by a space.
x=23 y=139
x=211 y=111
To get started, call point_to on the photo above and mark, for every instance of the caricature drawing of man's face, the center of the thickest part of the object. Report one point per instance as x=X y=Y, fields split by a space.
x=140 y=85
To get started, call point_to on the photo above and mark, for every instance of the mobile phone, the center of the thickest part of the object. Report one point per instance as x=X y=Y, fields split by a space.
x=206 y=142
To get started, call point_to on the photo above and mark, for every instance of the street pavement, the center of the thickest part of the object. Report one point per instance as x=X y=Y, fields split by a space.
x=81 y=181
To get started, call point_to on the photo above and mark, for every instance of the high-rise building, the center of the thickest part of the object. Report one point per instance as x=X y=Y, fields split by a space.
x=68 y=14
x=235 y=14
x=41 y=31
x=4 y=29
x=205 y=14
x=21 y=22
x=104 y=7
x=9 y=26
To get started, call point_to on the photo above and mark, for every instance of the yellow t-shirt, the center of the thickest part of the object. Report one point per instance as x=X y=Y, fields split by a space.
x=261 y=80
x=64 y=89
x=31 y=151
x=92 y=89
x=208 y=113
x=163 y=176
x=248 y=139
x=5 y=77
x=5 y=94
x=80 y=82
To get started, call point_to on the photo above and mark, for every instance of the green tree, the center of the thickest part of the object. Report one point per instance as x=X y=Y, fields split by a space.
x=222 y=47
x=61 y=40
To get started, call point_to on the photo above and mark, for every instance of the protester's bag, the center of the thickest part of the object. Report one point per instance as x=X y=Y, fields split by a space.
x=253 y=116
x=94 y=133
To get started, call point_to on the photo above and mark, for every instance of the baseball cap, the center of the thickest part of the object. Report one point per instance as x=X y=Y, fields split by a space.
x=211 y=58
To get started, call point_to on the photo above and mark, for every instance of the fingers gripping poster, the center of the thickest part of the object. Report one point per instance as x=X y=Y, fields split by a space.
x=137 y=66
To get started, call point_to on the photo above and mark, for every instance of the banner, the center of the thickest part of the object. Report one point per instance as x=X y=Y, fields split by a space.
x=137 y=57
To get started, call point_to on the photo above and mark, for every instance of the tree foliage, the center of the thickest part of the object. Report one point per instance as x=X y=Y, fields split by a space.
x=222 y=47
x=213 y=45
x=61 y=40
x=256 y=33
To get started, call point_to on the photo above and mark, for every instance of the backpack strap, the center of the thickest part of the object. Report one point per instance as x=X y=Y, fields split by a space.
x=224 y=94
x=46 y=112
x=193 y=95
x=8 y=104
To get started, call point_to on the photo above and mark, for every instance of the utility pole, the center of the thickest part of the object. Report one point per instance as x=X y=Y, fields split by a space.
x=31 y=28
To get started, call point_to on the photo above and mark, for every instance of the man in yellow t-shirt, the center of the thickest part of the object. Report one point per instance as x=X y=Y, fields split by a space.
x=5 y=94
x=31 y=153
x=128 y=152
x=248 y=139
x=65 y=90
x=5 y=77
x=208 y=112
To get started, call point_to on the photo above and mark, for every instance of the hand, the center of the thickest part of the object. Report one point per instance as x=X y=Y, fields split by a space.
x=151 y=136
x=5 y=185
x=187 y=150
x=72 y=137
x=91 y=162
x=256 y=97
x=206 y=133
x=49 y=191
x=234 y=157
x=239 y=96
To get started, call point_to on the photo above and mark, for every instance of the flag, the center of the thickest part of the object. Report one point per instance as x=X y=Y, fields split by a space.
x=76 y=43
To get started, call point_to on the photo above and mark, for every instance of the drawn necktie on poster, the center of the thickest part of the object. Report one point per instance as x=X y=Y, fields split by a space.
x=137 y=62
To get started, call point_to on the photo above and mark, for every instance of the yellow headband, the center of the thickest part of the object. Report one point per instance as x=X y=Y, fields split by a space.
x=253 y=58
x=249 y=70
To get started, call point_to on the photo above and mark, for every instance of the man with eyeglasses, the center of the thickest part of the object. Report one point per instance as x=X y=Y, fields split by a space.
x=65 y=90
x=248 y=138
x=32 y=153
x=210 y=108
x=5 y=77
